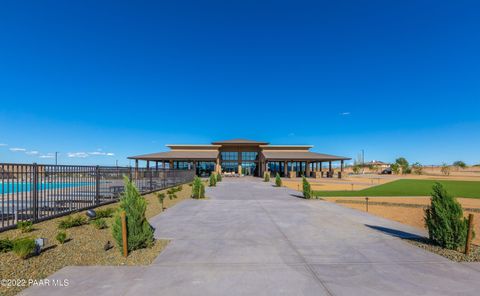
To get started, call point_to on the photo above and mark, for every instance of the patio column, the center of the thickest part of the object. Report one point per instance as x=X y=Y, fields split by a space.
x=285 y=168
x=320 y=168
x=307 y=169
x=171 y=164
x=218 y=168
x=341 y=166
x=148 y=164
x=239 y=169
x=156 y=165
x=136 y=168
x=330 y=168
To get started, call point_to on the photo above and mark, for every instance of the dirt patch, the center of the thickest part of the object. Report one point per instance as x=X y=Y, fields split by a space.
x=84 y=248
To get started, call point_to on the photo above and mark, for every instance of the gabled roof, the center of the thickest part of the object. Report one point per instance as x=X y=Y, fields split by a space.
x=239 y=141
x=182 y=154
x=301 y=155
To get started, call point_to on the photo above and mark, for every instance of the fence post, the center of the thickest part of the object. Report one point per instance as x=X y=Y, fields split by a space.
x=469 y=234
x=97 y=185
x=35 y=192
x=151 y=179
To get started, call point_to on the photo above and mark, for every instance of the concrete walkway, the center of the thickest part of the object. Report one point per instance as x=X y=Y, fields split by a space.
x=250 y=238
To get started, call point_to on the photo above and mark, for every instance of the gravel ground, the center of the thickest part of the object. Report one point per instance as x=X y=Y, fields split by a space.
x=425 y=244
x=85 y=247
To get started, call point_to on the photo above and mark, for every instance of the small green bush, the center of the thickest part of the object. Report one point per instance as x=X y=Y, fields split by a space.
x=198 y=188
x=61 y=237
x=212 y=180
x=307 y=191
x=139 y=231
x=219 y=177
x=202 y=190
x=6 y=245
x=278 y=180
x=24 y=247
x=161 y=198
x=25 y=226
x=444 y=219
x=266 y=177
x=100 y=223
x=72 y=221
x=105 y=213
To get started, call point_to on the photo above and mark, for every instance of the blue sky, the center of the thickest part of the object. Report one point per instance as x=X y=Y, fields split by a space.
x=98 y=81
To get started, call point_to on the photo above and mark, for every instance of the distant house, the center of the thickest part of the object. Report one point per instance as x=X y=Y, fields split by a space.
x=379 y=164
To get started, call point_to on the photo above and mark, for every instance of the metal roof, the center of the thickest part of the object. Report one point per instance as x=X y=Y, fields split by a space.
x=239 y=141
x=176 y=154
x=301 y=155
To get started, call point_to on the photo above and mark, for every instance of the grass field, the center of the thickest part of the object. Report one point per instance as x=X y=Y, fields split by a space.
x=407 y=187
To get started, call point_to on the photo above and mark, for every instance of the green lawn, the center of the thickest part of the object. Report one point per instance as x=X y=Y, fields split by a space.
x=408 y=187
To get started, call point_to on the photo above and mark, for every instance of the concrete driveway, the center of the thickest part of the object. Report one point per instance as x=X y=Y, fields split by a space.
x=250 y=238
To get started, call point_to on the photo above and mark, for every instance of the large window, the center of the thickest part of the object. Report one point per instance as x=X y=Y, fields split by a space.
x=205 y=168
x=249 y=156
x=182 y=165
x=230 y=167
x=229 y=155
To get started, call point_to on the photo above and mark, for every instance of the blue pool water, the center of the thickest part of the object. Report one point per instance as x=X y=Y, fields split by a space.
x=9 y=187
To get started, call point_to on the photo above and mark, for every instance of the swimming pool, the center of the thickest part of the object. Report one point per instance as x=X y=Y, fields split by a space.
x=12 y=187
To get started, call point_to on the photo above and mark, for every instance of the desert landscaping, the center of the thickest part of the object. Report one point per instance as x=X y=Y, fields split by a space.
x=408 y=210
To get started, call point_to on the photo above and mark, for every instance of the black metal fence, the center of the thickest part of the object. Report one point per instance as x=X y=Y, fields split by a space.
x=31 y=192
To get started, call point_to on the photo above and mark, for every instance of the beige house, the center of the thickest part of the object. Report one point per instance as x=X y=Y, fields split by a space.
x=244 y=157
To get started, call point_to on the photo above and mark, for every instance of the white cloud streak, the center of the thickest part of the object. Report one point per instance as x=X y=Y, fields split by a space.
x=88 y=154
x=48 y=155
x=345 y=113
x=18 y=149
x=3 y=144
x=33 y=152
x=77 y=154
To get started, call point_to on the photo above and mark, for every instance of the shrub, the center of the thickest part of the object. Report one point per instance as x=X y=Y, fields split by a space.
x=61 y=237
x=105 y=213
x=212 y=180
x=395 y=168
x=161 y=198
x=356 y=169
x=24 y=247
x=445 y=169
x=139 y=231
x=6 y=245
x=403 y=164
x=25 y=226
x=307 y=191
x=198 y=188
x=266 y=177
x=100 y=223
x=278 y=180
x=71 y=221
x=459 y=164
x=444 y=219
x=202 y=190
x=219 y=177
x=417 y=168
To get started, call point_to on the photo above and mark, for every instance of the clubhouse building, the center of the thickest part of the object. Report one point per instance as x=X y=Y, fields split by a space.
x=242 y=157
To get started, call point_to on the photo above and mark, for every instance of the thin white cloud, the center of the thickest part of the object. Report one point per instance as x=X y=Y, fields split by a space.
x=100 y=153
x=18 y=149
x=77 y=154
x=3 y=144
x=345 y=113
x=48 y=155
x=33 y=152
